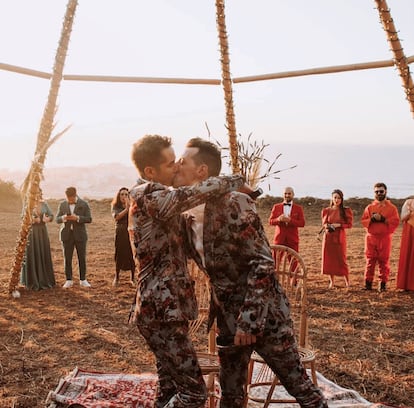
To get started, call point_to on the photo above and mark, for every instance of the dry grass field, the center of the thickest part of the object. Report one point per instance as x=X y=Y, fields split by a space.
x=364 y=339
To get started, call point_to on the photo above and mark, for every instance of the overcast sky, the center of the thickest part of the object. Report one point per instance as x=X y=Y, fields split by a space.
x=178 y=38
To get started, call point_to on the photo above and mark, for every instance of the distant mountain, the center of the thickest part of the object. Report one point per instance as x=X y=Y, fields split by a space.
x=101 y=181
x=320 y=169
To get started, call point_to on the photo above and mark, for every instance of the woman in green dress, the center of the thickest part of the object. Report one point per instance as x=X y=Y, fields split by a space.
x=37 y=269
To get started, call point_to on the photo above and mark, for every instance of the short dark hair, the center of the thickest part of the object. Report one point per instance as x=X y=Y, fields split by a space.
x=380 y=185
x=208 y=153
x=70 y=192
x=147 y=151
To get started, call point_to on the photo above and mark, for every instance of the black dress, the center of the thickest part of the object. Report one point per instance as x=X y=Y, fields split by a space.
x=37 y=268
x=124 y=259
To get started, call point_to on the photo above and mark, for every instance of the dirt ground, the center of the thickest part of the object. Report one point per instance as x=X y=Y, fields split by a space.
x=364 y=339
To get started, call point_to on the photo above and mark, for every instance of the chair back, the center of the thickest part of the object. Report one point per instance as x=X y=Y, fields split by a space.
x=198 y=327
x=291 y=272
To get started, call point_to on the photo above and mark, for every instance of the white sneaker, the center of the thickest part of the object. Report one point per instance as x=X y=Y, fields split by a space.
x=85 y=283
x=68 y=284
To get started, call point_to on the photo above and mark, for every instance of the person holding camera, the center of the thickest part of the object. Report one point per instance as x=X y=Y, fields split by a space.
x=380 y=219
x=335 y=219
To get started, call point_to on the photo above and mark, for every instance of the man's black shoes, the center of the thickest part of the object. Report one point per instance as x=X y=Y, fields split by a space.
x=368 y=285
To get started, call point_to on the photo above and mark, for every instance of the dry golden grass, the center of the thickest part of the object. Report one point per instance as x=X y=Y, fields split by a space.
x=364 y=340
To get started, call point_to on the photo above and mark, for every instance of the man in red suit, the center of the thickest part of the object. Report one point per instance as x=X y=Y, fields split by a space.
x=287 y=217
x=380 y=219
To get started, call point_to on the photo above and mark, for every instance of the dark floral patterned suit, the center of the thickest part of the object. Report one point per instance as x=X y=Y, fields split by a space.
x=165 y=298
x=247 y=296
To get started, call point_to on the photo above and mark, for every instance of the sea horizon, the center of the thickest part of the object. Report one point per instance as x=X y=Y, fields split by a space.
x=319 y=170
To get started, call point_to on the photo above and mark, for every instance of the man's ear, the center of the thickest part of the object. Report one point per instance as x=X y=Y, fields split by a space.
x=149 y=173
x=202 y=172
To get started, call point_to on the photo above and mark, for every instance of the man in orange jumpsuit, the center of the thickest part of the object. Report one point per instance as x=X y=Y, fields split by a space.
x=287 y=217
x=380 y=218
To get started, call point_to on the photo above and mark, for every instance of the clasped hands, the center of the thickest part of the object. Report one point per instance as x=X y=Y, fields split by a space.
x=377 y=217
x=37 y=219
x=283 y=218
x=71 y=217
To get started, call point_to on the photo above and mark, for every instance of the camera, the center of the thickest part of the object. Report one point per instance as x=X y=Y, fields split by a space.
x=331 y=228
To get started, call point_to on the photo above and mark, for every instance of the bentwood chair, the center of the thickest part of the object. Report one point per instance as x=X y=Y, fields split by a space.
x=204 y=342
x=291 y=272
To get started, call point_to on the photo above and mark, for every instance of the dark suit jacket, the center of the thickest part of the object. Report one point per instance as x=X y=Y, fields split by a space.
x=287 y=233
x=165 y=291
x=245 y=292
x=78 y=229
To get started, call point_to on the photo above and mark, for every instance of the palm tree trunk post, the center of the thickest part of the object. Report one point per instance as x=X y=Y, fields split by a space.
x=227 y=85
x=400 y=60
x=43 y=142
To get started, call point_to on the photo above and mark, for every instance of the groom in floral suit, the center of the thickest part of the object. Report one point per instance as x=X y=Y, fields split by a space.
x=165 y=299
x=227 y=240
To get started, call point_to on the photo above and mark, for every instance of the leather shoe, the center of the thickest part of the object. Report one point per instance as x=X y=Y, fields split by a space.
x=368 y=285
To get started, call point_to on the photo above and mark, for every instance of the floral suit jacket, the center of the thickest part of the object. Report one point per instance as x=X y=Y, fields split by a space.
x=165 y=290
x=245 y=292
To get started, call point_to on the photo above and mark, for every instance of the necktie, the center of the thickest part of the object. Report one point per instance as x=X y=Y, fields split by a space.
x=289 y=204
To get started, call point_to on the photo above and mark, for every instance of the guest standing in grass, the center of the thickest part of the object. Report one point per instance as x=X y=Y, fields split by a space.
x=124 y=259
x=335 y=219
x=37 y=269
x=380 y=219
x=405 y=276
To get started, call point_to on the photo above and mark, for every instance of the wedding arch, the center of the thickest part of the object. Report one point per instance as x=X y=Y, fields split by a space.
x=47 y=125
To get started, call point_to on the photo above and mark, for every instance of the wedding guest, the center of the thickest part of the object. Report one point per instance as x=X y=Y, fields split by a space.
x=405 y=276
x=287 y=217
x=73 y=213
x=380 y=219
x=335 y=219
x=37 y=268
x=123 y=253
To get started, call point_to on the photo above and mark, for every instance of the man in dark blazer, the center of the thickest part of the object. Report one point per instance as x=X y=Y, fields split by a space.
x=227 y=240
x=73 y=213
x=287 y=217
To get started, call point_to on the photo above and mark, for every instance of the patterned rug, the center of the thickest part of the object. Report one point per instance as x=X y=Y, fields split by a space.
x=87 y=389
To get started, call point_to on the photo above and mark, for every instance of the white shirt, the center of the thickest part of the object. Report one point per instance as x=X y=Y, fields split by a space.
x=287 y=209
x=197 y=227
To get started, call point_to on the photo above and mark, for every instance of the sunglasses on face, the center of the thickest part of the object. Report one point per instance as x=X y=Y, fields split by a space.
x=123 y=194
x=379 y=192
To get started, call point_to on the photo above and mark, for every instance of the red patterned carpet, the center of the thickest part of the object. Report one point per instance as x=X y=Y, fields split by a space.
x=86 y=389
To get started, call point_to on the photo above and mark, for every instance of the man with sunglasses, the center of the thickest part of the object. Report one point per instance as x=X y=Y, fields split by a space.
x=380 y=219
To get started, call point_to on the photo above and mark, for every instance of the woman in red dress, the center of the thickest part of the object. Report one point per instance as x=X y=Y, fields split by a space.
x=335 y=219
x=405 y=276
